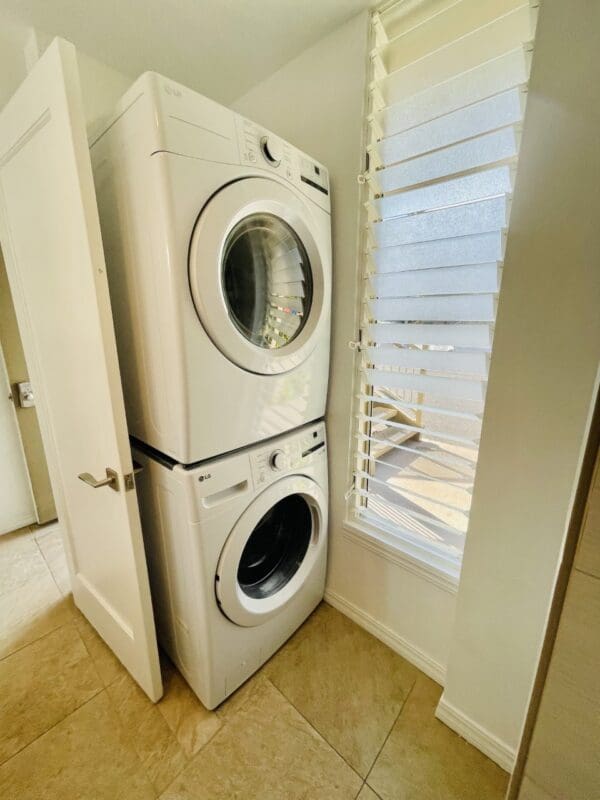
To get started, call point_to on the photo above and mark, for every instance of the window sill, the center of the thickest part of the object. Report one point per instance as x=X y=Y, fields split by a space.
x=437 y=569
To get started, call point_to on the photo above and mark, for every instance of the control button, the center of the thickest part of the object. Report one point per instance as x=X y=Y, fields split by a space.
x=278 y=460
x=271 y=149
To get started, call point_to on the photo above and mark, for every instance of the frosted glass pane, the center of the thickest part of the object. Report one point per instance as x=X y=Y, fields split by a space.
x=473 y=363
x=481 y=279
x=441 y=387
x=424 y=29
x=494 y=76
x=479 y=249
x=413 y=333
x=466 y=189
x=487 y=115
x=462 y=308
x=494 y=39
x=463 y=220
x=496 y=146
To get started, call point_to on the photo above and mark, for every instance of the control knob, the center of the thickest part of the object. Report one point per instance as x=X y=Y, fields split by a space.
x=271 y=150
x=278 y=460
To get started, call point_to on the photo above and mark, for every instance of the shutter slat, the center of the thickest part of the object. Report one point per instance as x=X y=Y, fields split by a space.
x=437 y=28
x=474 y=363
x=443 y=457
x=465 y=189
x=500 y=145
x=464 y=250
x=492 y=77
x=464 y=441
x=468 y=219
x=405 y=490
x=467 y=486
x=461 y=55
x=458 y=308
x=411 y=513
x=458 y=388
x=448 y=91
x=480 y=279
x=478 y=336
x=380 y=400
x=482 y=117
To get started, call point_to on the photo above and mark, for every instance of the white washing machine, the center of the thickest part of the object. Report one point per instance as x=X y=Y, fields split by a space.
x=236 y=550
x=218 y=248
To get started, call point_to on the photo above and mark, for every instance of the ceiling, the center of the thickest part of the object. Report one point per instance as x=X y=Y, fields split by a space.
x=219 y=47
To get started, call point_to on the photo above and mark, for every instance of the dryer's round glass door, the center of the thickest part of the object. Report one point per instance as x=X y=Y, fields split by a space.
x=267 y=280
x=276 y=547
x=259 y=271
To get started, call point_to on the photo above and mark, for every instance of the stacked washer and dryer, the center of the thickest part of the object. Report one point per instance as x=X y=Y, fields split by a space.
x=217 y=237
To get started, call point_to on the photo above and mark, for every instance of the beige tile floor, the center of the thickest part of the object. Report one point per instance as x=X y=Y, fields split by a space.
x=335 y=715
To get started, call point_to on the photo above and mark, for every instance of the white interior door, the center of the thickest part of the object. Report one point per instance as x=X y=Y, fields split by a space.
x=51 y=241
x=16 y=502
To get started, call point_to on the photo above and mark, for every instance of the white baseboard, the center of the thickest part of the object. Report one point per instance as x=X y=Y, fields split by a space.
x=479 y=737
x=409 y=651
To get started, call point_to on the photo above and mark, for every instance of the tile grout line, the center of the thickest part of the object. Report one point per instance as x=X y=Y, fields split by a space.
x=312 y=727
x=389 y=733
x=58 y=722
x=37 y=544
x=70 y=621
x=72 y=618
x=38 y=639
x=101 y=683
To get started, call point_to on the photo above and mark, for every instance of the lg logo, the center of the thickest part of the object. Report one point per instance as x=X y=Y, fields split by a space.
x=204 y=477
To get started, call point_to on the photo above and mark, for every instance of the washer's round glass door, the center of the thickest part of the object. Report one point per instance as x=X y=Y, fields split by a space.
x=274 y=551
x=276 y=547
x=267 y=280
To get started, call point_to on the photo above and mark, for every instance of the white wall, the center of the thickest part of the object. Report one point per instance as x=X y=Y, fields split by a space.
x=316 y=101
x=542 y=379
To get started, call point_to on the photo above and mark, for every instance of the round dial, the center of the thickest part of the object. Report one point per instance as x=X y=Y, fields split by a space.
x=278 y=460
x=271 y=149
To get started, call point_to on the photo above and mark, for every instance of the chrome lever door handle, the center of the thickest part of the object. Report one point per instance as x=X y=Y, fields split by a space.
x=112 y=479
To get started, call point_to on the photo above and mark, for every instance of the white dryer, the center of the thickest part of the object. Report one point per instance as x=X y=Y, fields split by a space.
x=236 y=550
x=218 y=248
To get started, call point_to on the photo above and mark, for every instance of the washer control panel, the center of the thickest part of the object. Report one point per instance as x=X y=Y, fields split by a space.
x=288 y=454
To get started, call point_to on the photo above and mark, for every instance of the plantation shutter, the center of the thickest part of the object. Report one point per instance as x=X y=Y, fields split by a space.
x=447 y=97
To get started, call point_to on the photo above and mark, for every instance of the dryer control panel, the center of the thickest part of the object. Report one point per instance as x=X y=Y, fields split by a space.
x=288 y=454
x=263 y=149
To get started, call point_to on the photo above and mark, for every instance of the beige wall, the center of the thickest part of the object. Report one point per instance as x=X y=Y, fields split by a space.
x=27 y=420
x=542 y=381
x=317 y=101
x=13 y=38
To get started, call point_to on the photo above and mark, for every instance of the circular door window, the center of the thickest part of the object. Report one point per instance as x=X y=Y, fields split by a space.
x=276 y=547
x=260 y=275
x=267 y=281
